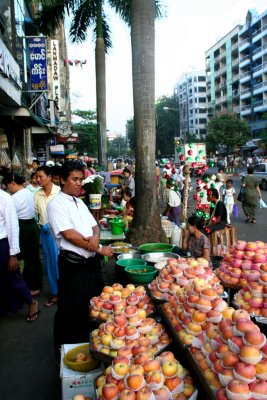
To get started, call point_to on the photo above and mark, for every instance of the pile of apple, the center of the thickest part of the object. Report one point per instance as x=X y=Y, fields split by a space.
x=253 y=298
x=114 y=299
x=180 y=273
x=161 y=378
x=196 y=309
x=233 y=357
x=242 y=264
x=130 y=334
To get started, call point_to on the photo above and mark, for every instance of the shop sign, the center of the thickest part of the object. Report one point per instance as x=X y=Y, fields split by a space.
x=8 y=66
x=38 y=67
x=41 y=155
x=57 y=149
x=55 y=73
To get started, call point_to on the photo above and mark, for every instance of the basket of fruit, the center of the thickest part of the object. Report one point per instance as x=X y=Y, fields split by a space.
x=79 y=359
x=140 y=274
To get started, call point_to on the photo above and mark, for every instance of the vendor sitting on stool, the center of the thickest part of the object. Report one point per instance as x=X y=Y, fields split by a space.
x=194 y=240
x=218 y=212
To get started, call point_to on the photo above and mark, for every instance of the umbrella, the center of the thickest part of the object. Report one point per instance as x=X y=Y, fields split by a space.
x=259 y=152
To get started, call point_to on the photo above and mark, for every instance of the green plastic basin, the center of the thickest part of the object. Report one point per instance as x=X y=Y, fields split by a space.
x=134 y=276
x=155 y=248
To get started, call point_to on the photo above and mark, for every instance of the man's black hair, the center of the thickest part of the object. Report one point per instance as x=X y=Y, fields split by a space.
x=69 y=166
x=36 y=161
x=13 y=177
x=46 y=169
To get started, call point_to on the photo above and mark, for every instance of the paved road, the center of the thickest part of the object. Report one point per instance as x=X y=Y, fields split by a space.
x=27 y=369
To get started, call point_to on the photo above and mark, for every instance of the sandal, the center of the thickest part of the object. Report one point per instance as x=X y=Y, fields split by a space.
x=33 y=317
x=51 y=302
x=253 y=221
x=248 y=219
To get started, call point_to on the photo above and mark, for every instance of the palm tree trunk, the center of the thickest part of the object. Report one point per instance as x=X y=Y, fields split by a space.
x=100 y=71
x=146 y=224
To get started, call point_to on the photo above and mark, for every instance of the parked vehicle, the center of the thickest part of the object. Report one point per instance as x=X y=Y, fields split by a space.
x=260 y=171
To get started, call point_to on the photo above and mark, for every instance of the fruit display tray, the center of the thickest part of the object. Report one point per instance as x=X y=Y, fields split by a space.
x=107 y=359
x=168 y=324
x=154 y=299
x=200 y=377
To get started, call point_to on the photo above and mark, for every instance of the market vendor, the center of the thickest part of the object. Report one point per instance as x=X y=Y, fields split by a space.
x=77 y=237
x=173 y=209
x=194 y=240
x=218 y=212
x=128 y=181
x=128 y=211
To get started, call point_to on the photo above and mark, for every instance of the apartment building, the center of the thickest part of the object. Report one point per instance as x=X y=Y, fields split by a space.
x=222 y=74
x=253 y=71
x=191 y=92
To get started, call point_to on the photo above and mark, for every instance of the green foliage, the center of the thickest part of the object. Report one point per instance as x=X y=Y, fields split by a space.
x=228 y=130
x=87 y=131
x=93 y=185
x=130 y=134
x=117 y=147
x=167 y=124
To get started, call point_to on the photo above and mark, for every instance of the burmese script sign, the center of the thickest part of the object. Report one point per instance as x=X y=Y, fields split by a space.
x=38 y=66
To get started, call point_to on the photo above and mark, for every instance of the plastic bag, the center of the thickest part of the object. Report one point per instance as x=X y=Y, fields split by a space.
x=4 y=159
x=16 y=164
x=241 y=195
x=235 y=210
x=262 y=204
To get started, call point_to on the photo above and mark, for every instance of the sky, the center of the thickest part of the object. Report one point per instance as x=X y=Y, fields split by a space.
x=189 y=29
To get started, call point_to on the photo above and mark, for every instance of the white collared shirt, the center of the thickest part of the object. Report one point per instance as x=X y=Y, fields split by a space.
x=24 y=203
x=174 y=198
x=66 y=212
x=9 y=226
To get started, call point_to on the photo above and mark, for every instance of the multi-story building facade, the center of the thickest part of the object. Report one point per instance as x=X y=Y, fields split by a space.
x=30 y=111
x=253 y=71
x=222 y=73
x=191 y=92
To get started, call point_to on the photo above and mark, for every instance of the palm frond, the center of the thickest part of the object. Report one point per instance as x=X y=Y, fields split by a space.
x=122 y=7
x=84 y=17
x=106 y=33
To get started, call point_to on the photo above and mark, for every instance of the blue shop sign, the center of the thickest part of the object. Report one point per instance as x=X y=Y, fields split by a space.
x=38 y=65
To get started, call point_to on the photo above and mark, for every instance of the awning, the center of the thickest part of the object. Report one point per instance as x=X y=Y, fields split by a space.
x=22 y=115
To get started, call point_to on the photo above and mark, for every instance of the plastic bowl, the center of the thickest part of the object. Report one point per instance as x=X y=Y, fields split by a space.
x=156 y=247
x=134 y=274
x=153 y=258
x=84 y=366
x=128 y=256
x=128 y=262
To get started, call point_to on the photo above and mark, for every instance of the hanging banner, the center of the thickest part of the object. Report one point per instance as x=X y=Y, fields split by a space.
x=38 y=67
x=55 y=73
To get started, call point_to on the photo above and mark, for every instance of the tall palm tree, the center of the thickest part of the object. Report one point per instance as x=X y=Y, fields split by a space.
x=146 y=224
x=87 y=14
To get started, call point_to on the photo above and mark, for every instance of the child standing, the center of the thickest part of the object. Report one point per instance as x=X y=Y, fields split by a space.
x=229 y=196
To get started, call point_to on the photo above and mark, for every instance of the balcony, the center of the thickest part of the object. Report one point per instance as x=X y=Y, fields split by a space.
x=235 y=62
x=260 y=87
x=244 y=61
x=244 y=44
x=235 y=77
x=259 y=52
x=245 y=110
x=259 y=69
x=259 y=34
x=234 y=46
x=236 y=93
x=260 y=106
x=220 y=71
x=245 y=93
x=245 y=76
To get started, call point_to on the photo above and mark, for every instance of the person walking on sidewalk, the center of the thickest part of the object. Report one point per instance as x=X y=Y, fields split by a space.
x=77 y=236
x=41 y=199
x=13 y=289
x=28 y=232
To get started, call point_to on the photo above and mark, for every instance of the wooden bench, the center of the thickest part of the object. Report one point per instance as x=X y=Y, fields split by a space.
x=222 y=240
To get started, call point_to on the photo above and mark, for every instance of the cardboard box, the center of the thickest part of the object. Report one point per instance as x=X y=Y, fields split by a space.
x=75 y=382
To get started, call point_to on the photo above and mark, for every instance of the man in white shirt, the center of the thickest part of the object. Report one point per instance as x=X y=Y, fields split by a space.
x=13 y=290
x=77 y=237
x=173 y=209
